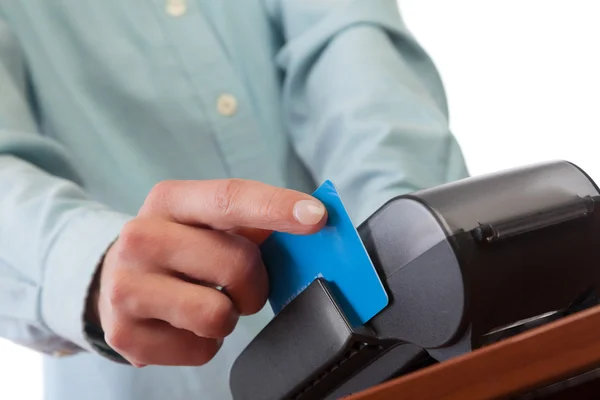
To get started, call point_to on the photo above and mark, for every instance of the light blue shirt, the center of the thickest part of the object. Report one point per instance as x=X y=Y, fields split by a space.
x=100 y=100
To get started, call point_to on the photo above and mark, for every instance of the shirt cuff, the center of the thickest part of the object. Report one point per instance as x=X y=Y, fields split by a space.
x=70 y=268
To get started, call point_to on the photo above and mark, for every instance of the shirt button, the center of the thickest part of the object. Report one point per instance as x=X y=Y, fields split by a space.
x=227 y=105
x=176 y=8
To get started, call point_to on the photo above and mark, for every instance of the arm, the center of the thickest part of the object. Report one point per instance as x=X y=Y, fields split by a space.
x=364 y=103
x=51 y=235
x=149 y=307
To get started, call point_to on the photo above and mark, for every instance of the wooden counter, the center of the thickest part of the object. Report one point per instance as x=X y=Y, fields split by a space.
x=518 y=366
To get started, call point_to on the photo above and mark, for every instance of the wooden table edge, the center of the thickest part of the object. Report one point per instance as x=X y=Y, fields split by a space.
x=532 y=359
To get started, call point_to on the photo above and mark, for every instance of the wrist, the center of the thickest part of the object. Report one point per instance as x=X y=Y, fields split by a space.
x=71 y=263
x=93 y=326
x=92 y=312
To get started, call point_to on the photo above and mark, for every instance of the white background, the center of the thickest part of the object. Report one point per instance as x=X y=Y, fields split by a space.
x=523 y=83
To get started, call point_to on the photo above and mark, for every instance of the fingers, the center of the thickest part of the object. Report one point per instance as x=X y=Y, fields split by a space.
x=202 y=310
x=157 y=301
x=255 y=235
x=158 y=343
x=211 y=257
x=230 y=203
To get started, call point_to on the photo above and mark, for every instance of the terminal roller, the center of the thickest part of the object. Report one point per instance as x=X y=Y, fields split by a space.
x=464 y=264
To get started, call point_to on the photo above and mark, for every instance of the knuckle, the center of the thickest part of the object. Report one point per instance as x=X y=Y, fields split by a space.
x=182 y=313
x=272 y=208
x=219 y=316
x=118 y=293
x=118 y=337
x=227 y=194
x=132 y=237
x=133 y=304
x=124 y=296
x=140 y=239
x=160 y=190
x=158 y=194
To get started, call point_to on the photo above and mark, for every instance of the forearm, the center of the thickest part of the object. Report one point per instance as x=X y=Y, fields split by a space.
x=378 y=120
x=52 y=235
x=366 y=107
x=51 y=240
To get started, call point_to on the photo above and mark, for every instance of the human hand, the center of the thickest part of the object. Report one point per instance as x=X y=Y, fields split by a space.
x=158 y=300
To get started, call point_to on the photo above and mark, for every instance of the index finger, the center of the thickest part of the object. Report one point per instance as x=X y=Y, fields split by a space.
x=230 y=203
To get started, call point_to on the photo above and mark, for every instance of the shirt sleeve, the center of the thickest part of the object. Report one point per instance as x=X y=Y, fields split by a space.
x=364 y=103
x=52 y=235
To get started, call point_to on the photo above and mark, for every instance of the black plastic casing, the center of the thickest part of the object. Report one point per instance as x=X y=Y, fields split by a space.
x=458 y=261
x=485 y=252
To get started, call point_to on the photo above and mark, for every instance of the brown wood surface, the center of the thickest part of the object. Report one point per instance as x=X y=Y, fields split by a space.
x=529 y=360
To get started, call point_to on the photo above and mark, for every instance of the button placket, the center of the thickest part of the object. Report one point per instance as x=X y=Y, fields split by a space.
x=219 y=94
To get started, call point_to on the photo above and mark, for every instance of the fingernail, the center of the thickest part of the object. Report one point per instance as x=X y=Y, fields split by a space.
x=309 y=212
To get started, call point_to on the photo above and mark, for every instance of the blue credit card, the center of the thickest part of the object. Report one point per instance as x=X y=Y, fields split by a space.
x=336 y=254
